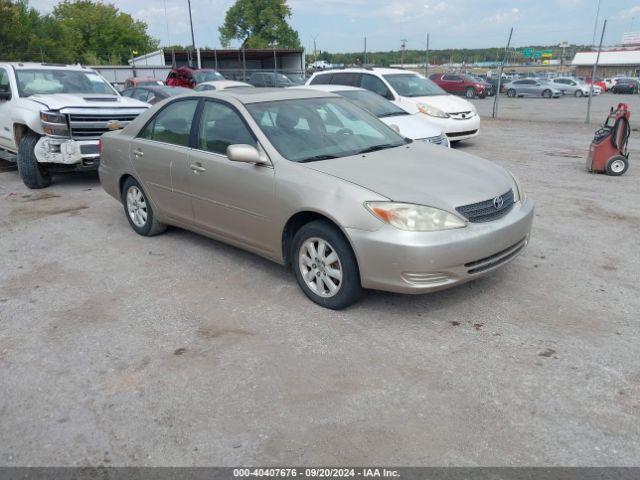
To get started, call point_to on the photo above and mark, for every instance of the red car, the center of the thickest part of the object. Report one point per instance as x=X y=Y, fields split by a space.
x=599 y=82
x=190 y=77
x=460 y=84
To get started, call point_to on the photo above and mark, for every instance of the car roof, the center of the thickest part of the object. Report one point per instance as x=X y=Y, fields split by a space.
x=378 y=70
x=258 y=95
x=46 y=66
x=225 y=83
x=331 y=88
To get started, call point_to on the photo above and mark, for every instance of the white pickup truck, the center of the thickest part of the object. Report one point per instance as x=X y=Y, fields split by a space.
x=52 y=116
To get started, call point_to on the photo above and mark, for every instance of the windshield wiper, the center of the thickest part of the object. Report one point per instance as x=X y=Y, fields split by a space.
x=315 y=158
x=375 y=148
x=392 y=114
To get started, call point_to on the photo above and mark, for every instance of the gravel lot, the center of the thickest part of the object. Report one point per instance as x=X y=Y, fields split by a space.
x=179 y=350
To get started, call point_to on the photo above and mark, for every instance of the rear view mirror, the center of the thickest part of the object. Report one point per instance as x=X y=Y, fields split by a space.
x=245 y=154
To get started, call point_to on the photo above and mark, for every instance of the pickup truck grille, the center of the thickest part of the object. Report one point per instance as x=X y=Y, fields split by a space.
x=88 y=126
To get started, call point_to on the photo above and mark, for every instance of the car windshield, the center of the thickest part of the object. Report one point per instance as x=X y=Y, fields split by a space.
x=372 y=102
x=412 y=85
x=310 y=129
x=34 y=82
x=206 y=76
x=282 y=78
x=146 y=83
x=174 y=90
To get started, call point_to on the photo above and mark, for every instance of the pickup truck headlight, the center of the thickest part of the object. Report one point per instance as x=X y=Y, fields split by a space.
x=54 y=124
x=431 y=111
x=415 y=218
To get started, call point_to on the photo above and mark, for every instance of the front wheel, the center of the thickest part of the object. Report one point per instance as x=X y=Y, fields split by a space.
x=511 y=93
x=138 y=210
x=579 y=93
x=617 y=165
x=547 y=94
x=325 y=266
x=32 y=174
x=470 y=93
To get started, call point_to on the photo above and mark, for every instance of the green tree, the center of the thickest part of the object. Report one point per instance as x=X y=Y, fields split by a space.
x=18 y=30
x=259 y=24
x=93 y=31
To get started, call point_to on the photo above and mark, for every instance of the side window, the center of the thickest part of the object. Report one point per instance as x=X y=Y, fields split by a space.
x=349 y=79
x=221 y=126
x=140 y=94
x=4 y=81
x=324 y=79
x=374 y=84
x=448 y=78
x=172 y=124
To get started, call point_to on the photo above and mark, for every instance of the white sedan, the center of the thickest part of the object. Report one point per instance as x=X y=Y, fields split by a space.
x=414 y=126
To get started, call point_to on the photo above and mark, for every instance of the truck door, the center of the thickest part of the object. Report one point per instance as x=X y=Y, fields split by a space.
x=6 y=124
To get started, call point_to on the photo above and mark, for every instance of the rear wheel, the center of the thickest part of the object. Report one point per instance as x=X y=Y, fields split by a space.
x=547 y=94
x=138 y=210
x=511 y=93
x=325 y=266
x=32 y=173
x=617 y=165
x=470 y=92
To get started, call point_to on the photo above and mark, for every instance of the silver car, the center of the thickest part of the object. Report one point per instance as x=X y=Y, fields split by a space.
x=311 y=181
x=531 y=87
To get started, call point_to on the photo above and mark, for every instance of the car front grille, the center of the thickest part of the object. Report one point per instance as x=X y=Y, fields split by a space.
x=461 y=134
x=85 y=126
x=488 y=210
x=497 y=259
x=438 y=140
x=461 y=115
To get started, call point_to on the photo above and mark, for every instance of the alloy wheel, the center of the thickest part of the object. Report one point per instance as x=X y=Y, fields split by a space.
x=137 y=206
x=320 y=267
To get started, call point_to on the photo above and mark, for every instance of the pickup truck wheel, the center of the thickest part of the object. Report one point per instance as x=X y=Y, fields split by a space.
x=138 y=211
x=32 y=174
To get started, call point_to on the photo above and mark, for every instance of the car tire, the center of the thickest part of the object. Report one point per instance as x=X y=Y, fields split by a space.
x=32 y=173
x=470 y=92
x=617 y=166
x=579 y=93
x=319 y=273
x=138 y=210
x=547 y=93
x=511 y=93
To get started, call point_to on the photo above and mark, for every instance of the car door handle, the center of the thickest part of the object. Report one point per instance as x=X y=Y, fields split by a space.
x=197 y=168
x=138 y=153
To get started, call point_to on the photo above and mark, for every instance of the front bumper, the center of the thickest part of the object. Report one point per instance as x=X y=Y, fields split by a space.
x=82 y=154
x=457 y=129
x=419 y=262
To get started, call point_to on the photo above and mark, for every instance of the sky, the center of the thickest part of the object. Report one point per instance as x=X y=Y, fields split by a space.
x=341 y=25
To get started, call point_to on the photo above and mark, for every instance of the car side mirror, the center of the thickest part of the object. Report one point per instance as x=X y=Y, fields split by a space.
x=244 y=153
x=5 y=95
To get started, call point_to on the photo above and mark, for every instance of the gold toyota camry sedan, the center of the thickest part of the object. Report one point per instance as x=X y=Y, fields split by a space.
x=311 y=181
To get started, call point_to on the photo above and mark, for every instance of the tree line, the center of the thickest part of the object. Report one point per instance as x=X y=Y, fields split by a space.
x=76 y=31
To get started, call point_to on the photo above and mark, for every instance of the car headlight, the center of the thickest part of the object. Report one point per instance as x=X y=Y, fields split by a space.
x=415 y=218
x=521 y=194
x=431 y=111
x=54 y=124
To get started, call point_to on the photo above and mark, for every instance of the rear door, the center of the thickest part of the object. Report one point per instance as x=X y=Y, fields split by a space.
x=160 y=156
x=230 y=199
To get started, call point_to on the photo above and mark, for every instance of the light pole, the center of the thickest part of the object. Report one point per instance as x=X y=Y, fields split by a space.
x=595 y=25
x=193 y=38
x=403 y=45
x=315 y=52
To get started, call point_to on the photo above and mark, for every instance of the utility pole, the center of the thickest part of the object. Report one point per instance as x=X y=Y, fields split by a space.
x=365 y=52
x=563 y=45
x=426 y=58
x=593 y=73
x=497 y=95
x=403 y=45
x=595 y=25
x=315 y=51
x=193 y=38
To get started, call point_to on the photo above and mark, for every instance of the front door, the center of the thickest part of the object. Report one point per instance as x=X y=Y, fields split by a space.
x=230 y=199
x=6 y=127
x=161 y=152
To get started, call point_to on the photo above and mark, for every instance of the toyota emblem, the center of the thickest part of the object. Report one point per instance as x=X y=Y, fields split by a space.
x=498 y=202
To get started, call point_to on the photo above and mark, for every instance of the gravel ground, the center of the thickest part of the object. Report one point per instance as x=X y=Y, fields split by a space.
x=179 y=350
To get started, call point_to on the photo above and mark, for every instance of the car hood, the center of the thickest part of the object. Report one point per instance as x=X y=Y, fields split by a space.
x=446 y=103
x=423 y=174
x=57 y=101
x=413 y=126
